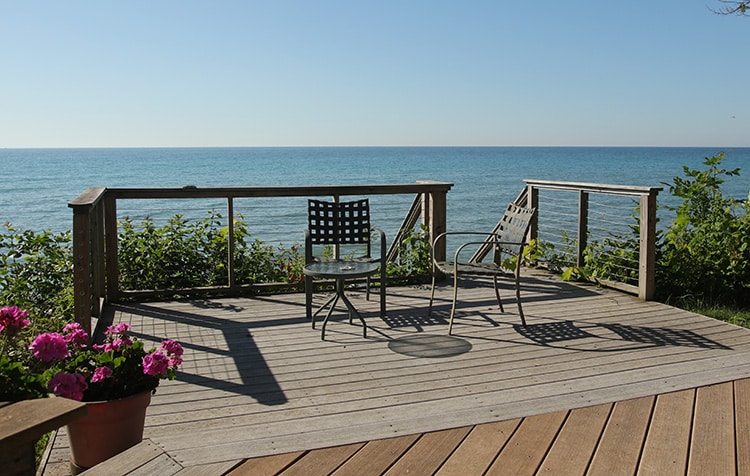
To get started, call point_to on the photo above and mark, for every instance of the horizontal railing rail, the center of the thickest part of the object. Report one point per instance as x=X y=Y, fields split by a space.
x=95 y=229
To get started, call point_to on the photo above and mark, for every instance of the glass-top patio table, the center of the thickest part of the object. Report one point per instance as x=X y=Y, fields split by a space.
x=341 y=271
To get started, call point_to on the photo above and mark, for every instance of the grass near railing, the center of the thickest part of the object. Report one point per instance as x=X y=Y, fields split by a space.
x=730 y=314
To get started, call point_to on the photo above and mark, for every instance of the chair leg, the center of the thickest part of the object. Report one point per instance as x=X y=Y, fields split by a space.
x=453 y=307
x=308 y=296
x=497 y=293
x=518 y=300
x=432 y=295
x=383 y=278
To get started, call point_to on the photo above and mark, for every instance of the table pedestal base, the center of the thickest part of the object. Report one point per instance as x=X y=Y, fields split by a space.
x=339 y=294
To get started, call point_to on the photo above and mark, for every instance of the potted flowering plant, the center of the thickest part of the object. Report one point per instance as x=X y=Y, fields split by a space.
x=68 y=366
x=116 y=377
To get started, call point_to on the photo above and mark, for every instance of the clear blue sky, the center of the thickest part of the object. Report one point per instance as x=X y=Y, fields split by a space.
x=350 y=72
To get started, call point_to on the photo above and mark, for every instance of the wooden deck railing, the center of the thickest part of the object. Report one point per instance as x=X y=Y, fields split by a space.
x=610 y=222
x=95 y=226
x=95 y=233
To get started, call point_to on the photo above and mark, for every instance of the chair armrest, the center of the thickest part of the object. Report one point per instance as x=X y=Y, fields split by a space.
x=488 y=238
x=381 y=235
x=308 y=247
x=469 y=243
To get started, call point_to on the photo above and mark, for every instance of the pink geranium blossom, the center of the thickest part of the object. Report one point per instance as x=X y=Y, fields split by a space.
x=12 y=320
x=121 y=328
x=174 y=351
x=117 y=338
x=155 y=364
x=68 y=385
x=101 y=373
x=115 y=345
x=75 y=335
x=49 y=347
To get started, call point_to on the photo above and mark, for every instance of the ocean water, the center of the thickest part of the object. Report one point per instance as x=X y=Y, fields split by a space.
x=39 y=183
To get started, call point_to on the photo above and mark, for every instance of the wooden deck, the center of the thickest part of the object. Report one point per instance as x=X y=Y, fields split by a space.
x=258 y=381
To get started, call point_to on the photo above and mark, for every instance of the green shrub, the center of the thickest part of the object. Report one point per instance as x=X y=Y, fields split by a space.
x=179 y=254
x=413 y=263
x=705 y=254
x=562 y=260
x=185 y=254
x=36 y=274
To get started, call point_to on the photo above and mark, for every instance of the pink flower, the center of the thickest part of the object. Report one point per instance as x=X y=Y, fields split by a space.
x=75 y=335
x=12 y=320
x=114 y=345
x=155 y=364
x=172 y=347
x=101 y=373
x=120 y=328
x=48 y=347
x=117 y=343
x=68 y=385
x=174 y=351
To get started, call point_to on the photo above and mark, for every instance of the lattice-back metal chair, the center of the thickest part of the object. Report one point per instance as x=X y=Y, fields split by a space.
x=506 y=241
x=343 y=223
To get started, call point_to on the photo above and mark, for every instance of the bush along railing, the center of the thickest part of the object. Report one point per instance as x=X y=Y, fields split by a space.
x=705 y=256
x=600 y=232
x=36 y=274
x=118 y=257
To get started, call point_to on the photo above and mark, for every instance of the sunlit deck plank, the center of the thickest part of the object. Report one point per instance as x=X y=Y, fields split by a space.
x=712 y=451
x=528 y=446
x=667 y=444
x=572 y=450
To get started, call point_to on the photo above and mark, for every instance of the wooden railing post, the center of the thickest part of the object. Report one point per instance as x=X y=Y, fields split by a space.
x=111 y=257
x=98 y=270
x=434 y=217
x=647 y=259
x=88 y=246
x=230 y=243
x=583 y=226
x=82 y=267
x=532 y=201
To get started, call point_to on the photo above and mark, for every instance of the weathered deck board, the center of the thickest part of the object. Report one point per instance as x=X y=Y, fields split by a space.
x=668 y=439
x=597 y=440
x=712 y=450
x=577 y=441
x=257 y=380
x=528 y=445
x=742 y=419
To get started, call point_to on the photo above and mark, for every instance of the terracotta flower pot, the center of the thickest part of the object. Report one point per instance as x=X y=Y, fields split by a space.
x=108 y=429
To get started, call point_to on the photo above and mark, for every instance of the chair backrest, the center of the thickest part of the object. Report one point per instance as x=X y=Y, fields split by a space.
x=513 y=227
x=339 y=223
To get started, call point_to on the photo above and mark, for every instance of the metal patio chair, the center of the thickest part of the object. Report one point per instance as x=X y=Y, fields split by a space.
x=507 y=240
x=347 y=224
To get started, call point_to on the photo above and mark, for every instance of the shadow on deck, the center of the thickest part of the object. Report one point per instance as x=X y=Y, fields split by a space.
x=258 y=381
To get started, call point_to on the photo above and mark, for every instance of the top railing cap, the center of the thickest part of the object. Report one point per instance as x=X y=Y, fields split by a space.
x=92 y=195
x=89 y=197
x=594 y=187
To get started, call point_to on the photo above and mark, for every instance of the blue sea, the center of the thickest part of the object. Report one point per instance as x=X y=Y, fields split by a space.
x=39 y=183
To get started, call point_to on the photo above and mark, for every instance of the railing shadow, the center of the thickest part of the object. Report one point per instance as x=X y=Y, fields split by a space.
x=256 y=377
